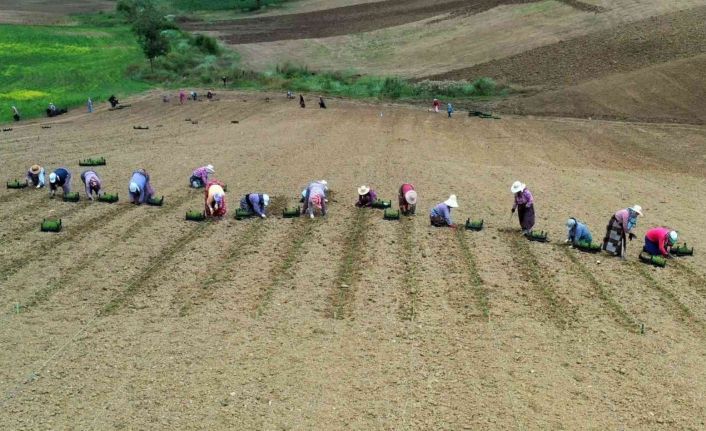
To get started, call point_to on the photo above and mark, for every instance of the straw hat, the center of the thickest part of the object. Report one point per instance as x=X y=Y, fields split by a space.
x=517 y=187
x=266 y=199
x=637 y=209
x=451 y=202
x=52 y=178
x=411 y=197
x=673 y=236
x=210 y=170
x=363 y=190
x=35 y=169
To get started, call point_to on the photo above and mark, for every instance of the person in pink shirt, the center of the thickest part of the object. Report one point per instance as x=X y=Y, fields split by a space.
x=659 y=240
x=182 y=97
x=619 y=229
x=407 y=199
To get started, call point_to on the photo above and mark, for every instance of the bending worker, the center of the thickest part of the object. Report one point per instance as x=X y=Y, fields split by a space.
x=440 y=215
x=524 y=204
x=35 y=176
x=255 y=203
x=140 y=189
x=215 y=199
x=315 y=198
x=659 y=240
x=199 y=177
x=577 y=232
x=619 y=229
x=407 y=199
x=60 y=178
x=366 y=197
x=93 y=183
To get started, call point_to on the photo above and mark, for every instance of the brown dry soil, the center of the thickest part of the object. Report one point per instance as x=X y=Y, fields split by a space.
x=48 y=11
x=133 y=318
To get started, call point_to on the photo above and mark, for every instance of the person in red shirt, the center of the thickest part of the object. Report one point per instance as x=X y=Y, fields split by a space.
x=407 y=199
x=659 y=240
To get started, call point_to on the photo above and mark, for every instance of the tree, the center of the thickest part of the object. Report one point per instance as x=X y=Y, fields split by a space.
x=148 y=25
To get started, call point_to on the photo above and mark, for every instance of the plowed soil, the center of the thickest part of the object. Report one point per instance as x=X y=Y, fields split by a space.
x=133 y=318
x=47 y=11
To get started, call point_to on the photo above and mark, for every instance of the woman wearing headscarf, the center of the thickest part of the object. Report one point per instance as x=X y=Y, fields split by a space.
x=61 y=177
x=92 y=182
x=619 y=229
x=140 y=190
x=199 y=177
x=35 y=176
x=440 y=215
x=407 y=199
x=577 y=232
x=659 y=240
x=366 y=197
x=215 y=199
x=315 y=198
x=524 y=205
x=255 y=203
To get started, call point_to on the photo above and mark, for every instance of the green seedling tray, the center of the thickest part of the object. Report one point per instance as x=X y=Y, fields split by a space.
x=291 y=212
x=195 y=216
x=156 y=202
x=92 y=162
x=72 y=197
x=391 y=214
x=588 y=247
x=540 y=236
x=658 y=261
x=16 y=184
x=108 y=197
x=382 y=204
x=51 y=225
x=243 y=214
x=682 y=250
x=475 y=225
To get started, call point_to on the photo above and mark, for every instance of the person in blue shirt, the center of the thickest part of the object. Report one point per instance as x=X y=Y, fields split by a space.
x=440 y=215
x=577 y=232
x=140 y=189
x=61 y=177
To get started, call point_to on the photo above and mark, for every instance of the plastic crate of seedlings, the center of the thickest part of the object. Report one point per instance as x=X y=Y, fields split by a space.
x=658 y=261
x=195 y=216
x=381 y=204
x=474 y=225
x=156 y=202
x=241 y=214
x=391 y=214
x=539 y=236
x=291 y=212
x=108 y=197
x=682 y=250
x=51 y=225
x=588 y=247
x=16 y=184
x=71 y=197
x=99 y=161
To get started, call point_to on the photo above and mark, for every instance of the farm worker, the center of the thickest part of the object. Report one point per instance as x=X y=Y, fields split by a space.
x=440 y=215
x=407 y=199
x=255 y=203
x=61 y=177
x=209 y=95
x=215 y=199
x=315 y=198
x=52 y=107
x=35 y=175
x=15 y=113
x=659 y=240
x=577 y=232
x=619 y=228
x=89 y=105
x=92 y=182
x=323 y=182
x=199 y=177
x=436 y=105
x=182 y=97
x=301 y=101
x=524 y=204
x=193 y=95
x=322 y=104
x=290 y=95
x=113 y=101
x=140 y=189
x=449 y=109
x=366 y=197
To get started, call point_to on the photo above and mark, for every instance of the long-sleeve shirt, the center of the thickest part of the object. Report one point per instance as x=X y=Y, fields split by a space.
x=579 y=232
x=524 y=198
x=36 y=179
x=255 y=203
x=213 y=190
x=405 y=188
x=367 y=199
x=63 y=180
x=623 y=217
x=442 y=210
x=202 y=173
x=140 y=178
x=659 y=235
x=316 y=188
x=86 y=177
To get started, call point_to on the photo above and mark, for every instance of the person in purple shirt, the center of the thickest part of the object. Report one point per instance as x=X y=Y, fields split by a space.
x=255 y=203
x=440 y=215
x=61 y=177
x=524 y=204
x=92 y=182
x=199 y=178
x=366 y=197
x=140 y=190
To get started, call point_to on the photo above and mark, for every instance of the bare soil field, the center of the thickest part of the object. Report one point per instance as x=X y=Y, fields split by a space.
x=46 y=11
x=132 y=318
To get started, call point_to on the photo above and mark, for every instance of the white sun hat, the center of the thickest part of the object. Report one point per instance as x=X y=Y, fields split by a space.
x=673 y=236
x=209 y=168
x=134 y=188
x=517 y=187
x=363 y=190
x=411 y=197
x=52 y=178
x=570 y=223
x=637 y=209
x=451 y=202
x=266 y=199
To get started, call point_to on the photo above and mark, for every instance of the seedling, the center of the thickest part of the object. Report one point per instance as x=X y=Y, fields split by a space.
x=588 y=247
x=195 y=216
x=474 y=225
x=51 y=225
x=391 y=214
x=16 y=184
x=381 y=204
x=71 y=197
x=682 y=250
x=108 y=197
x=291 y=212
x=540 y=236
x=100 y=161
x=8 y=129
x=658 y=261
x=242 y=214
x=156 y=202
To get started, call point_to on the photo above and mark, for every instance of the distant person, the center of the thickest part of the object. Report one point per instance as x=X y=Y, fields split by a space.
x=92 y=183
x=524 y=205
x=166 y=98
x=301 y=102
x=619 y=229
x=215 y=199
x=322 y=104
x=449 y=109
x=436 y=105
x=255 y=203
x=89 y=105
x=15 y=114
x=61 y=177
x=140 y=190
x=224 y=79
x=209 y=95
x=35 y=176
x=315 y=198
x=194 y=96
x=182 y=97
x=113 y=101
x=659 y=240
x=440 y=215
x=199 y=177
x=577 y=232
x=407 y=199
x=366 y=197
x=290 y=95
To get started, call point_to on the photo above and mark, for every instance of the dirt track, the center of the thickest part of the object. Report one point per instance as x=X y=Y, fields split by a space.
x=145 y=321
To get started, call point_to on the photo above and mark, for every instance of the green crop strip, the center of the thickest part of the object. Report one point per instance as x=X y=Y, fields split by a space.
x=410 y=280
x=474 y=278
x=348 y=268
